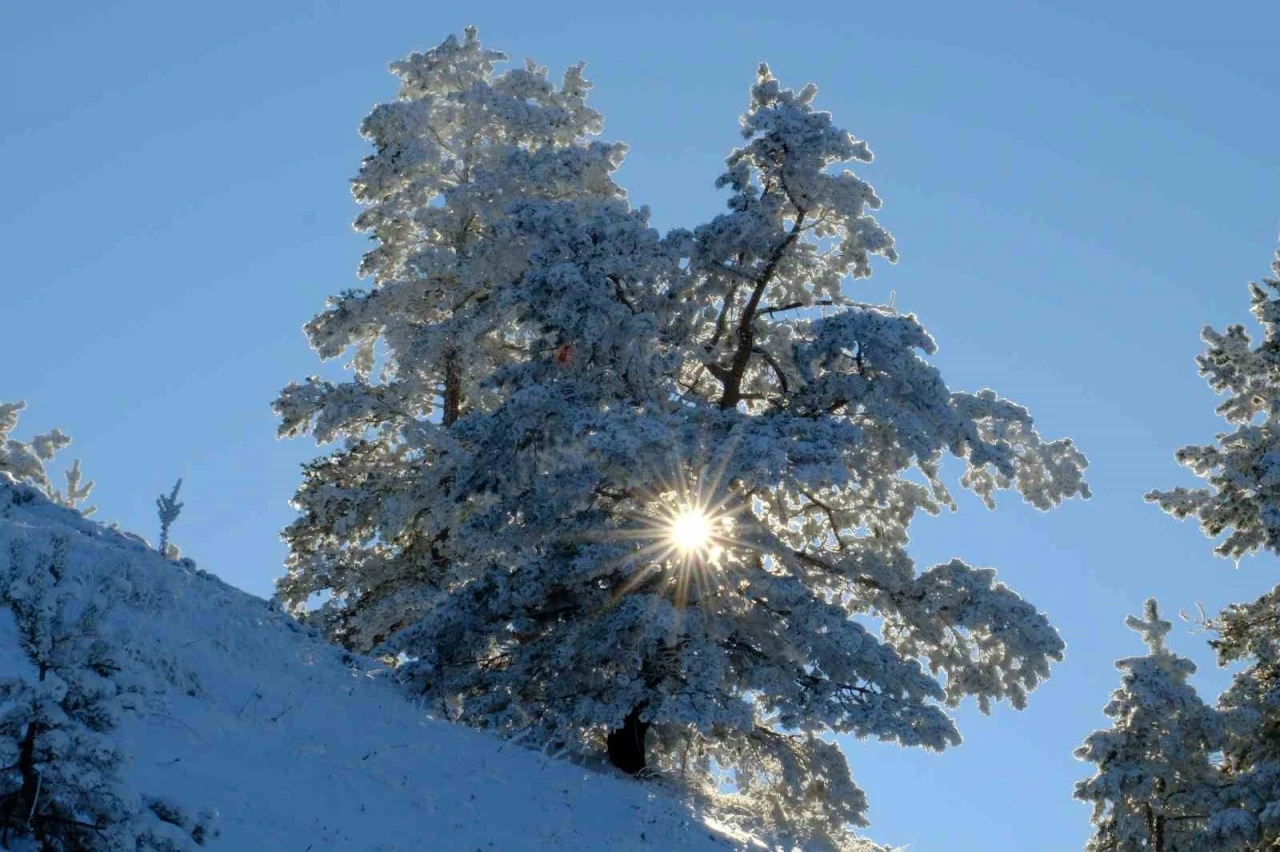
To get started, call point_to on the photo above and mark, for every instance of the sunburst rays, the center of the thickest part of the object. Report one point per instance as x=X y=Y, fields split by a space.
x=685 y=528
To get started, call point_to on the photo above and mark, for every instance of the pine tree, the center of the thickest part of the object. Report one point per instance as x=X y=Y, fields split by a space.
x=659 y=532
x=1242 y=496
x=1156 y=786
x=60 y=787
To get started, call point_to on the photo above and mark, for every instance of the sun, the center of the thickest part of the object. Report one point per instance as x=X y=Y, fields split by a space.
x=684 y=534
x=691 y=531
x=684 y=541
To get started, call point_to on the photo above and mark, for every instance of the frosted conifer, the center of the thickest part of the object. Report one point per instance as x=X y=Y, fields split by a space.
x=1242 y=496
x=1155 y=787
x=648 y=535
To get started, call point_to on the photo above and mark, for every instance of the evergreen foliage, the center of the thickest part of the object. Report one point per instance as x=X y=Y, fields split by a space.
x=453 y=152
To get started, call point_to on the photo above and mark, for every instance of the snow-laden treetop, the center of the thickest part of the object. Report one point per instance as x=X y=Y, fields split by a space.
x=1242 y=468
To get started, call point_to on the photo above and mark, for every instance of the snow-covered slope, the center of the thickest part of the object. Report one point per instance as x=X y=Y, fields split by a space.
x=302 y=747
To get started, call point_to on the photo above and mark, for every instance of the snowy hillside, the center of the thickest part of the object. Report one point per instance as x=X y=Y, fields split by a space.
x=302 y=747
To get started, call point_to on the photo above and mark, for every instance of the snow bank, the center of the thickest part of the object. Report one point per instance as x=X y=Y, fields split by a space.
x=303 y=747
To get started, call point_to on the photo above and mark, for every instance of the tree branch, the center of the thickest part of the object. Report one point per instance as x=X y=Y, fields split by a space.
x=777 y=369
x=791 y=306
x=746 y=328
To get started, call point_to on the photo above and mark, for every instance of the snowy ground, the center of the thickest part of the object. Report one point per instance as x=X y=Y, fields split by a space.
x=303 y=748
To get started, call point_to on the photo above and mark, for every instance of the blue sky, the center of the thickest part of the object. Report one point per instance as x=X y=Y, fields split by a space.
x=1075 y=189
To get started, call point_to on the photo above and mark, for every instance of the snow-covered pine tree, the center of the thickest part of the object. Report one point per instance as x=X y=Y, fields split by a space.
x=1156 y=786
x=25 y=461
x=685 y=496
x=1243 y=496
x=460 y=143
x=60 y=787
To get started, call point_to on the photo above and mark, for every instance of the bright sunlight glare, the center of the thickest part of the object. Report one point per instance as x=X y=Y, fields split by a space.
x=691 y=530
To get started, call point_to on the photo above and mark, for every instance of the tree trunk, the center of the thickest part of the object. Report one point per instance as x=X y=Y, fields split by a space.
x=626 y=744
x=452 y=388
x=1159 y=834
x=18 y=808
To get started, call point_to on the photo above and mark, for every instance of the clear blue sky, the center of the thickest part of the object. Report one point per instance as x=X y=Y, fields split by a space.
x=1075 y=188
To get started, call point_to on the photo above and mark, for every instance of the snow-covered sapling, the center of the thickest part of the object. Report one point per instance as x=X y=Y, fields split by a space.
x=25 y=461
x=168 y=508
x=1156 y=786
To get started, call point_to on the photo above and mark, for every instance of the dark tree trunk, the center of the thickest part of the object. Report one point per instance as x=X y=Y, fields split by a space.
x=18 y=806
x=626 y=744
x=452 y=388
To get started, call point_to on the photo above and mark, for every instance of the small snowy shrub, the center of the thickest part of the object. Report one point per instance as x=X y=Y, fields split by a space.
x=60 y=786
x=168 y=508
x=25 y=461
